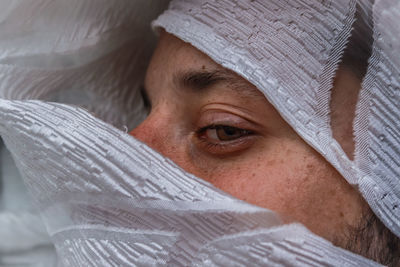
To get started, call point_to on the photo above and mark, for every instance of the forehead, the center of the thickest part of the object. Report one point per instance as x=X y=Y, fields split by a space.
x=172 y=55
x=175 y=61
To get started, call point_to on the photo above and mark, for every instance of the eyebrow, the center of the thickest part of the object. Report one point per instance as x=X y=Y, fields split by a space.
x=201 y=80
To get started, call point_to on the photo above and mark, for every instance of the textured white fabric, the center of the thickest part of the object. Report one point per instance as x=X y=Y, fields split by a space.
x=378 y=119
x=86 y=53
x=109 y=200
x=77 y=51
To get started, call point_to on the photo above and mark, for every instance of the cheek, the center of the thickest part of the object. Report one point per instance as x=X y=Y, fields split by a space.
x=292 y=180
x=269 y=181
x=268 y=176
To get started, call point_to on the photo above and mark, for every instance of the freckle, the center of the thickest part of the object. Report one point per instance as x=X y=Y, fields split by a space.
x=341 y=214
x=203 y=67
x=271 y=162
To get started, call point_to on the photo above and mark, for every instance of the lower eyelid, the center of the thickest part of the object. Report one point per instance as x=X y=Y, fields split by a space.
x=226 y=148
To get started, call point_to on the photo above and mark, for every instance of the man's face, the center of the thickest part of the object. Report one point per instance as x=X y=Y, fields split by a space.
x=216 y=125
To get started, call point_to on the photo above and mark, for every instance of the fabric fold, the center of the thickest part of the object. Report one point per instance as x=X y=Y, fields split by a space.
x=109 y=199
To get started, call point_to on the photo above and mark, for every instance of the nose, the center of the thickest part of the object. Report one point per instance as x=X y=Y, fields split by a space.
x=145 y=132
x=153 y=133
x=159 y=131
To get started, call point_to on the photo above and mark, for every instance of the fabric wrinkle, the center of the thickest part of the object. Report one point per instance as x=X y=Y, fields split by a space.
x=107 y=199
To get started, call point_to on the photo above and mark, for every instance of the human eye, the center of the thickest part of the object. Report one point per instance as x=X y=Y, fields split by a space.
x=223 y=140
x=222 y=133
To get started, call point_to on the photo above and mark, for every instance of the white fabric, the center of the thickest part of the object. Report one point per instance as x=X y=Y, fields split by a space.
x=107 y=199
x=86 y=53
x=378 y=117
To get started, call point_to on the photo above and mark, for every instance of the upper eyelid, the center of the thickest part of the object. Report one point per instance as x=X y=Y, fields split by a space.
x=226 y=118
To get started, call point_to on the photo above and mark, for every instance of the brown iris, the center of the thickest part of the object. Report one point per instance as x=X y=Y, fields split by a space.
x=219 y=133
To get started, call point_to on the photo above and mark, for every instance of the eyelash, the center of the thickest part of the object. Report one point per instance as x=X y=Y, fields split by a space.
x=219 y=126
x=224 y=147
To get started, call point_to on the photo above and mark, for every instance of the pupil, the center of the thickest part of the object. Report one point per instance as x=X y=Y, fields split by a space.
x=226 y=133
x=230 y=131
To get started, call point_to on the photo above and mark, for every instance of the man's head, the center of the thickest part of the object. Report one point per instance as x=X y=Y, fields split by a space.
x=225 y=129
x=218 y=126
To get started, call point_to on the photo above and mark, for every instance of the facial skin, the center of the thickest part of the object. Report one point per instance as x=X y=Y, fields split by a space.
x=216 y=125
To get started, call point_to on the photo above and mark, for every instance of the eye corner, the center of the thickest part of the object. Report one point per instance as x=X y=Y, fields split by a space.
x=145 y=97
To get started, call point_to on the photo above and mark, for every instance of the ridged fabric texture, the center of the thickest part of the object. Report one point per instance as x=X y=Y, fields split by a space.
x=107 y=199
